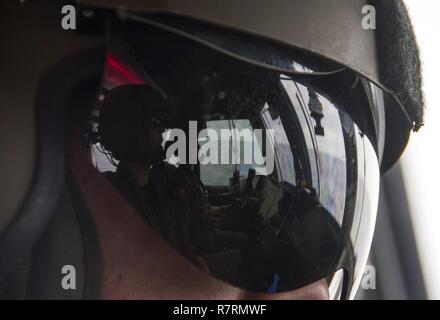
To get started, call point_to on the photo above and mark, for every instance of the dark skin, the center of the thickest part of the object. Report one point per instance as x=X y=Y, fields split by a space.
x=136 y=262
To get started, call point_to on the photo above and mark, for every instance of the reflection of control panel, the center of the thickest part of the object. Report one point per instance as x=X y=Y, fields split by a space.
x=271 y=195
x=271 y=212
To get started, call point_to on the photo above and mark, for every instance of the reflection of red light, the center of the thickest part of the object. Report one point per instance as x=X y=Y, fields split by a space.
x=121 y=73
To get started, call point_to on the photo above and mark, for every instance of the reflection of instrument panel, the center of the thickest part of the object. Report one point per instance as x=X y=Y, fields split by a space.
x=274 y=207
x=270 y=195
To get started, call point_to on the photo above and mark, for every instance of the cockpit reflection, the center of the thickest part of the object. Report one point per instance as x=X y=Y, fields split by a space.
x=249 y=185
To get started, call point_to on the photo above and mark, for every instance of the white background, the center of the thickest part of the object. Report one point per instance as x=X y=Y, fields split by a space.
x=421 y=161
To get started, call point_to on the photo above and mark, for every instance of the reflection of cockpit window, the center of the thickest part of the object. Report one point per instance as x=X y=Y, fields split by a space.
x=239 y=151
x=329 y=168
x=218 y=175
x=101 y=159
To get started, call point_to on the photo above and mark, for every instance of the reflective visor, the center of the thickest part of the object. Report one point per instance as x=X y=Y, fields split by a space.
x=284 y=183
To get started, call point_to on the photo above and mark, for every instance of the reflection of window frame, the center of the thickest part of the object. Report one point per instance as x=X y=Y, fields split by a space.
x=297 y=105
x=267 y=125
x=269 y=122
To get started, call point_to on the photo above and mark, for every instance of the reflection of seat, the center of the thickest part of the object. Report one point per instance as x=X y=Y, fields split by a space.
x=226 y=265
x=219 y=199
x=230 y=239
x=226 y=262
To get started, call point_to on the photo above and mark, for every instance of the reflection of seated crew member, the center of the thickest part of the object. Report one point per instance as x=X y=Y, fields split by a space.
x=163 y=194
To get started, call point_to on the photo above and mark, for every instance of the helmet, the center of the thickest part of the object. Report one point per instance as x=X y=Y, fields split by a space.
x=313 y=95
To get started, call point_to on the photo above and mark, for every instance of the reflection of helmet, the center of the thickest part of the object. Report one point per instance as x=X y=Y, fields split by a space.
x=125 y=121
x=338 y=114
